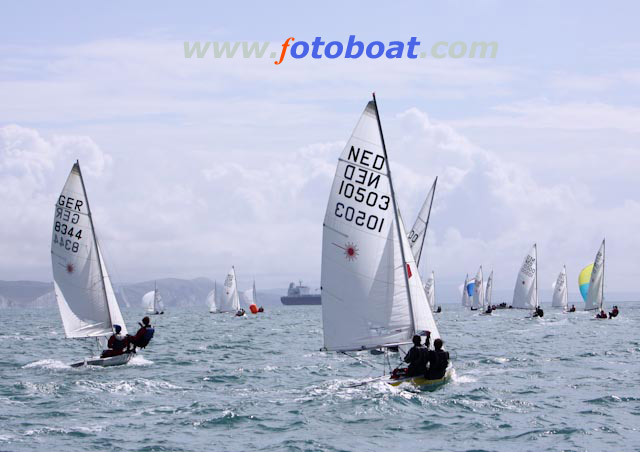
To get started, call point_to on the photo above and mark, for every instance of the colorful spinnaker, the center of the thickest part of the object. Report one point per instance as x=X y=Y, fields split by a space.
x=584 y=278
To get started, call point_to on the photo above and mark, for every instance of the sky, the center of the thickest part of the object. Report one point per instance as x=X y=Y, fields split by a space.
x=192 y=165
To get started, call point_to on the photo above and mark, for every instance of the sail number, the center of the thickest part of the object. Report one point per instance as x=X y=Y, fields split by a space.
x=413 y=236
x=361 y=219
x=62 y=229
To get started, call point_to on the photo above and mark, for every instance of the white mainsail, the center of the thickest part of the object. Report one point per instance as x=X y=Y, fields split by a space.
x=478 y=290
x=430 y=290
x=372 y=294
x=465 y=293
x=595 y=295
x=489 y=290
x=418 y=233
x=230 y=301
x=560 y=293
x=83 y=289
x=525 y=293
x=212 y=298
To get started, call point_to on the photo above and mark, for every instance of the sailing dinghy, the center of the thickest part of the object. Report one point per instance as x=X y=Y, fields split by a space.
x=478 y=291
x=465 y=292
x=83 y=289
x=525 y=293
x=230 y=298
x=488 y=294
x=560 y=294
x=372 y=294
x=212 y=299
x=595 y=291
x=153 y=301
x=430 y=290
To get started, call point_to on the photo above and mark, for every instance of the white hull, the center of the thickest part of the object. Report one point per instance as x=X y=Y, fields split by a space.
x=105 y=362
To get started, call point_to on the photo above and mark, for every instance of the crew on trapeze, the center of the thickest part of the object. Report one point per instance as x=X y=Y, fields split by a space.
x=538 y=312
x=614 y=312
x=144 y=335
x=573 y=308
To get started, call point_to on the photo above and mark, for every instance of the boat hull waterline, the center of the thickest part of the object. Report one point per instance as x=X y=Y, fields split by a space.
x=119 y=360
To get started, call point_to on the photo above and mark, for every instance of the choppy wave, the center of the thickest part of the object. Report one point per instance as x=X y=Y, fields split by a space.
x=215 y=383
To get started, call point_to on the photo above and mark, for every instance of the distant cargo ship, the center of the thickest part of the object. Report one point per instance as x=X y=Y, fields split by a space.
x=300 y=295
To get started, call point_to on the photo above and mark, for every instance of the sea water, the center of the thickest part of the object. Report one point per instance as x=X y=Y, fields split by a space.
x=214 y=382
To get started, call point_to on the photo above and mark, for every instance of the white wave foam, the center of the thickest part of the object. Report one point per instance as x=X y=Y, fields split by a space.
x=461 y=379
x=139 y=360
x=52 y=364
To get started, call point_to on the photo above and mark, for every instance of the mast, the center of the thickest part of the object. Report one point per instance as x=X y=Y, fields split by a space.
x=95 y=244
x=395 y=212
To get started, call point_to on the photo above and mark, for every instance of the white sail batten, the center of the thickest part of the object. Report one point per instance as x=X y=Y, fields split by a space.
x=560 y=293
x=418 y=232
x=525 y=293
x=83 y=290
x=478 y=290
x=489 y=290
x=230 y=300
x=595 y=295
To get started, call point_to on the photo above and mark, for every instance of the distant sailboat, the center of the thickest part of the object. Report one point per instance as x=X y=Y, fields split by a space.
x=372 y=294
x=560 y=294
x=488 y=293
x=430 y=290
x=525 y=293
x=230 y=299
x=466 y=301
x=478 y=291
x=153 y=301
x=83 y=289
x=418 y=233
x=595 y=292
x=212 y=299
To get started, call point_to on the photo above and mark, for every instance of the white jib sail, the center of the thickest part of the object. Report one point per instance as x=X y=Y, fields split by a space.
x=465 y=294
x=212 y=298
x=85 y=297
x=560 y=293
x=230 y=299
x=478 y=290
x=365 y=301
x=489 y=290
x=430 y=290
x=525 y=293
x=418 y=233
x=595 y=295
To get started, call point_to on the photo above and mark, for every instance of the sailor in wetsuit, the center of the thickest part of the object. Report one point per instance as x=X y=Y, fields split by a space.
x=416 y=357
x=117 y=343
x=614 y=312
x=144 y=334
x=438 y=361
x=573 y=308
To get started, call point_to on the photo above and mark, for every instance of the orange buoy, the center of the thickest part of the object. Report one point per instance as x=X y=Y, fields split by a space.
x=253 y=308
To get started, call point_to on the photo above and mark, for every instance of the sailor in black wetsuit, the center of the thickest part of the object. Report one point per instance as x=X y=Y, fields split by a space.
x=416 y=358
x=438 y=361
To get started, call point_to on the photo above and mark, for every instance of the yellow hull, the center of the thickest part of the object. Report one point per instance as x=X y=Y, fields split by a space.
x=422 y=383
